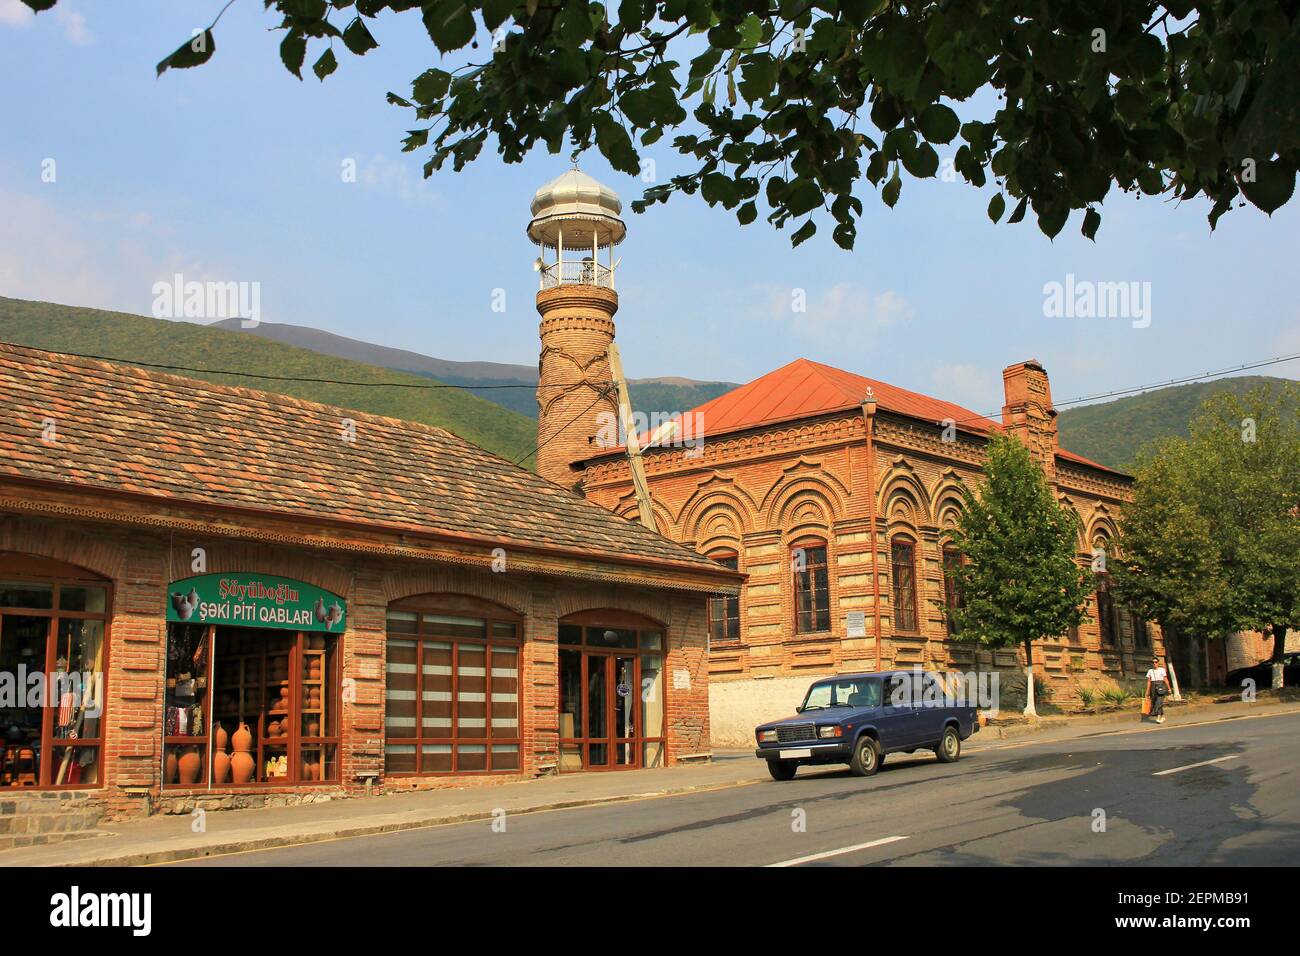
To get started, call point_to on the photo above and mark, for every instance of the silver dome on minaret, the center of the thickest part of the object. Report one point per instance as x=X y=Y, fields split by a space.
x=576 y=210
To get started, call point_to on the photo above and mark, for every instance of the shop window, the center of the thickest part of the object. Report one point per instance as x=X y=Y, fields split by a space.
x=903 y=559
x=1141 y=634
x=53 y=638
x=724 y=611
x=250 y=707
x=812 y=594
x=453 y=688
x=953 y=598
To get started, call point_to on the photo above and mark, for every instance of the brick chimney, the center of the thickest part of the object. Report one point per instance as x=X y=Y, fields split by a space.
x=1028 y=413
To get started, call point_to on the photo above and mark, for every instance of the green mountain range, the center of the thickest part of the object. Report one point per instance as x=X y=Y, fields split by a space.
x=665 y=396
x=499 y=419
x=138 y=339
x=1114 y=432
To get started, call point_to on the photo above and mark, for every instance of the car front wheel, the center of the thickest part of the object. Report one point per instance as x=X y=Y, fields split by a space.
x=866 y=757
x=949 y=748
x=782 y=769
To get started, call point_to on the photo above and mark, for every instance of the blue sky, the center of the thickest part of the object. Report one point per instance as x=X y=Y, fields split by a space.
x=232 y=172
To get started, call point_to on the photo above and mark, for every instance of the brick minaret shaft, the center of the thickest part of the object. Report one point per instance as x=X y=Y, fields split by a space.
x=575 y=402
x=1028 y=413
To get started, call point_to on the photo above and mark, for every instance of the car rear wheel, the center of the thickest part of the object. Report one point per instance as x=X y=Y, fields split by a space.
x=949 y=748
x=782 y=769
x=866 y=757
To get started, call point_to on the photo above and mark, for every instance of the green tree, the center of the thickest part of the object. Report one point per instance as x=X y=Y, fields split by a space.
x=1211 y=540
x=811 y=103
x=1020 y=579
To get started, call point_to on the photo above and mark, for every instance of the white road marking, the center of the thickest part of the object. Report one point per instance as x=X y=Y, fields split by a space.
x=1203 y=763
x=839 y=852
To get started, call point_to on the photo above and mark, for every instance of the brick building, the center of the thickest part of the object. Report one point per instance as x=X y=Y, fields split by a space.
x=237 y=597
x=790 y=478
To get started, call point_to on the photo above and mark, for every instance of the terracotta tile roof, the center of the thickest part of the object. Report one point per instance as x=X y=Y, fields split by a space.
x=805 y=389
x=127 y=429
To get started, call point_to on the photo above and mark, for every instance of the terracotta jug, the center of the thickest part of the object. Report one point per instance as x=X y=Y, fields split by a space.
x=222 y=738
x=169 y=766
x=189 y=765
x=312 y=729
x=241 y=763
x=243 y=739
x=220 y=766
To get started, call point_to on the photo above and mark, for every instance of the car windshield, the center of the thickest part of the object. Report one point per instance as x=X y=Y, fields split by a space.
x=859 y=692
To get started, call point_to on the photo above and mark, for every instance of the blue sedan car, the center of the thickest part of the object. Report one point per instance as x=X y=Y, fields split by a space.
x=856 y=719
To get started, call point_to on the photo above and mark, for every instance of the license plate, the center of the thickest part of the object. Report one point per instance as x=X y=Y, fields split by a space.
x=795 y=754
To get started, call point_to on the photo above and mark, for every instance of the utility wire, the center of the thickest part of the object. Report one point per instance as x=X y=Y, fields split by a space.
x=603 y=394
x=1143 y=388
x=315 y=381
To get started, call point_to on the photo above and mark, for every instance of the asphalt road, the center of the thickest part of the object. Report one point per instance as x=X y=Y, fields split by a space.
x=1216 y=794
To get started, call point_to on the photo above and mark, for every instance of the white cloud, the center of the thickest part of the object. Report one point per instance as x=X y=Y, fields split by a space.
x=97 y=257
x=15 y=13
x=846 y=312
x=968 y=385
x=74 y=26
x=396 y=179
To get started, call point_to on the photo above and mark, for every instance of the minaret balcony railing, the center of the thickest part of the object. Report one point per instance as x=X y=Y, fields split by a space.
x=579 y=272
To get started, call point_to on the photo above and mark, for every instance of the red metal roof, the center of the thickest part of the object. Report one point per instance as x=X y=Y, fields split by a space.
x=805 y=389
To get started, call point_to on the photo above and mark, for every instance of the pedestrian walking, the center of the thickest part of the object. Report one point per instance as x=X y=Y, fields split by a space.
x=1157 y=689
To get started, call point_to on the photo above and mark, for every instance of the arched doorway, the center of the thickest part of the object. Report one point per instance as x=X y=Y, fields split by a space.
x=53 y=656
x=611 y=691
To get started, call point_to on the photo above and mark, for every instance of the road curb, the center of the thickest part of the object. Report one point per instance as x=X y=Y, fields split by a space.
x=1031 y=727
x=182 y=854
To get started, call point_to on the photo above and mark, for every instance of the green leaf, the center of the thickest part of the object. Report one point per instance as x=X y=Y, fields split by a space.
x=803 y=232
x=922 y=162
x=892 y=188
x=430 y=85
x=997 y=206
x=747 y=213
x=1091 y=220
x=1018 y=213
x=938 y=123
x=326 y=65
x=751 y=31
x=293 y=50
x=195 y=51
x=450 y=24
x=357 y=38
x=1273 y=185
x=1052 y=219
x=496 y=12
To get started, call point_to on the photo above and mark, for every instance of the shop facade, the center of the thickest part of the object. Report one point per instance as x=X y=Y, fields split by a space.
x=212 y=653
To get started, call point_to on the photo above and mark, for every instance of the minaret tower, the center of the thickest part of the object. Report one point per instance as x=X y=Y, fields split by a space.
x=576 y=224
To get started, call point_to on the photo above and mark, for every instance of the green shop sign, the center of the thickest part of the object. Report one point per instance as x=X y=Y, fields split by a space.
x=255 y=600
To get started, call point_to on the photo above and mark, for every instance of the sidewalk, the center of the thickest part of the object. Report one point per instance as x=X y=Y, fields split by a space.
x=169 y=838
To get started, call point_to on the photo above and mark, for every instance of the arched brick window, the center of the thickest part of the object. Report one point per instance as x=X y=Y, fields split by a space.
x=812 y=593
x=724 y=610
x=953 y=598
x=903 y=558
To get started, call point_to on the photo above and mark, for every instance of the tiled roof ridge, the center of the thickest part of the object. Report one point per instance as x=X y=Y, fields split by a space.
x=547 y=501
x=127 y=367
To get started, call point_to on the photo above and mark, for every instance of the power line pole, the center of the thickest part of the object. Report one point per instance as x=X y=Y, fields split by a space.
x=633 y=444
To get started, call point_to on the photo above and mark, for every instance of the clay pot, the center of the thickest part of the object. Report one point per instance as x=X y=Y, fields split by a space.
x=241 y=764
x=170 y=766
x=312 y=728
x=190 y=764
x=221 y=738
x=243 y=739
x=220 y=766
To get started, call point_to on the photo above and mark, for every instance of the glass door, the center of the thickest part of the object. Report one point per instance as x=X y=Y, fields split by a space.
x=624 y=703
